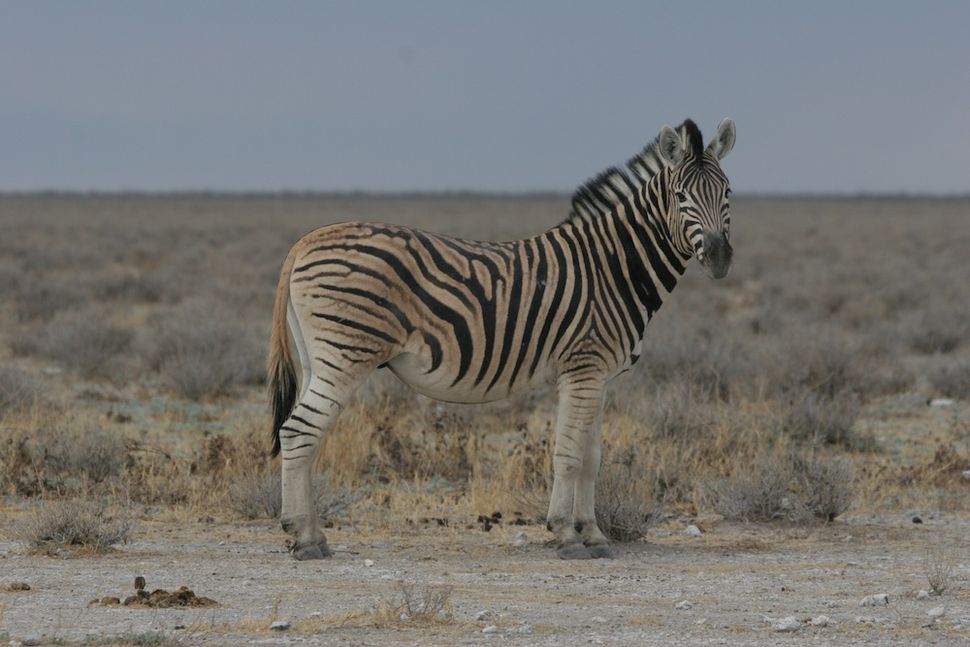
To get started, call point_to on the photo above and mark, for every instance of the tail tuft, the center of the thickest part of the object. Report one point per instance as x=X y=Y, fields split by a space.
x=283 y=393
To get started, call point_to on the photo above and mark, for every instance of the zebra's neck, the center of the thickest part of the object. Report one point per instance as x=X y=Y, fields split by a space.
x=626 y=224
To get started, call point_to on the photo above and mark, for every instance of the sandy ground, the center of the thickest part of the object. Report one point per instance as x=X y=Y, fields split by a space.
x=732 y=577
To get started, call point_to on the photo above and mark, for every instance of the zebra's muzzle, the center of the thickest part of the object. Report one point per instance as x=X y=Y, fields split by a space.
x=717 y=255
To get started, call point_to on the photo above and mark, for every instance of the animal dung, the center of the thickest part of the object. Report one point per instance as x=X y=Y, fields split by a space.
x=157 y=599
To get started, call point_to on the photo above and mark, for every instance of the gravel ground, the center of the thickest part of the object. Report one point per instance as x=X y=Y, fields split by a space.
x=732 y=578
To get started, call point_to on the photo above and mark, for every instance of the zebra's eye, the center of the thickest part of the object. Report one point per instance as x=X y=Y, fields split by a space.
x=681 y=197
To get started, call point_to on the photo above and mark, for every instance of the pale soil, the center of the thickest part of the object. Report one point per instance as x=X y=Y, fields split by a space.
x=733 y=576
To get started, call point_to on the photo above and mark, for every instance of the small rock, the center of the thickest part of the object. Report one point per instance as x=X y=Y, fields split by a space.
x=876 y=600
x=599 y=619
x=280 y=625
x=490 y=629
x=683 y=605
x=941 y=402
x=30 y=641
x=368 y=563
x=524 y=629
x=936 y=612
x=481 y=615
x=865 y=620
x=519 y=539
x=917 y=519
x=789 y=623
x=922 y=594
x=966 y=474
x=820 y=621
x=316 y=614
x=693 y=531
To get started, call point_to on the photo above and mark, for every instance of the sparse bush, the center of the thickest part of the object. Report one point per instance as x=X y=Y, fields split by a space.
x=679 y=410
x=823 y=420
x=938 y=566
x=74 y=524
x=54 y=459
x=824 y=487
x=202 y=350
x=17 y=389
x=760 y=493
x=413 y=606
x=81 y=340
x=939 y=330
x=951 y=379
x=623 y=511
x=786 y=487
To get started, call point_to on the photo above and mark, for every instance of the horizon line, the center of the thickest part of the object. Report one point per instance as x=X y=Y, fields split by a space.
x=446 y=193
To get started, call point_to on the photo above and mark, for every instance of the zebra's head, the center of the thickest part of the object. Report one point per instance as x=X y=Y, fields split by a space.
x=699 y=212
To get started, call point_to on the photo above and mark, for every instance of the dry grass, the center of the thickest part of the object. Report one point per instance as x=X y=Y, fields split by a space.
x=411 y=605
x=18 y=390
x=625 y=506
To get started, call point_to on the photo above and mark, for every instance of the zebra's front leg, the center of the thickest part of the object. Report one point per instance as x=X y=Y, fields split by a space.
x=584 y=501
x=576 y=415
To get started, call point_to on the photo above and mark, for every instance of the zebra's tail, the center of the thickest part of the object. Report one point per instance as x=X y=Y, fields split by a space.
x=280 y=372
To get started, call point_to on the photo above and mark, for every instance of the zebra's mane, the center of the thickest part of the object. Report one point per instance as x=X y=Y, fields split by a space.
x=614 y=185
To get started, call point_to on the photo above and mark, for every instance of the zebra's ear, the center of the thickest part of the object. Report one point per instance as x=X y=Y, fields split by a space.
x=670 y=146
x=723 y=140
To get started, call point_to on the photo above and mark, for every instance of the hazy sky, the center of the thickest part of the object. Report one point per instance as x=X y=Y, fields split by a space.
x=828 y=96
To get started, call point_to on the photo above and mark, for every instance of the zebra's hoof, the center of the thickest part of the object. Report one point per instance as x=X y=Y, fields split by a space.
x=600 y=551
x=574 y=551
x=316 y=550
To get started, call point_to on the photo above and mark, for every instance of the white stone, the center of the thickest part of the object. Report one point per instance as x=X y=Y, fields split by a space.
x=490 y=629
x=875 y=600
x=941 y=402
x=519 y=539
x=524 y=628
x=368 y=563
x=481 y=615
x=820 y=621
x=922 y=594
x=599 y=619
x=280 y=625
x=966 y=474
x=683 y=605
x=936 y=612
x=693 y=531
x=788 y=623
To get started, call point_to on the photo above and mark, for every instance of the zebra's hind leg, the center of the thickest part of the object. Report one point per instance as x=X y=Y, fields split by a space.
x=300 y=437
x=576 y=415
x=584 y=502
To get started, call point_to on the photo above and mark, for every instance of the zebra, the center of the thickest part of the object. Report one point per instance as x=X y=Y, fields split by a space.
x=471 y=321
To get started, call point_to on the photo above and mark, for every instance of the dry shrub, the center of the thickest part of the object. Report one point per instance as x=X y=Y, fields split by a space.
x=938 y=564
x=824 y=487
x=81 y=340
x=937 y=330
x=758 y=494
x=259 y=495
x=74 y=524
x=827 y=365
x=18 y=390
x=951 y=379
x=679 y=410
x=415 y=606
x=625 y=506
x=202 y=349
x=54 y=459
x=786 y=486
x=822 y=420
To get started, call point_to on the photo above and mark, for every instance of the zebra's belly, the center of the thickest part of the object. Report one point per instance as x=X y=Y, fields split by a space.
x=440 y=385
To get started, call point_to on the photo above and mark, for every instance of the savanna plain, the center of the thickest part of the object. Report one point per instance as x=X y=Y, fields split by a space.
x=795 y=441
